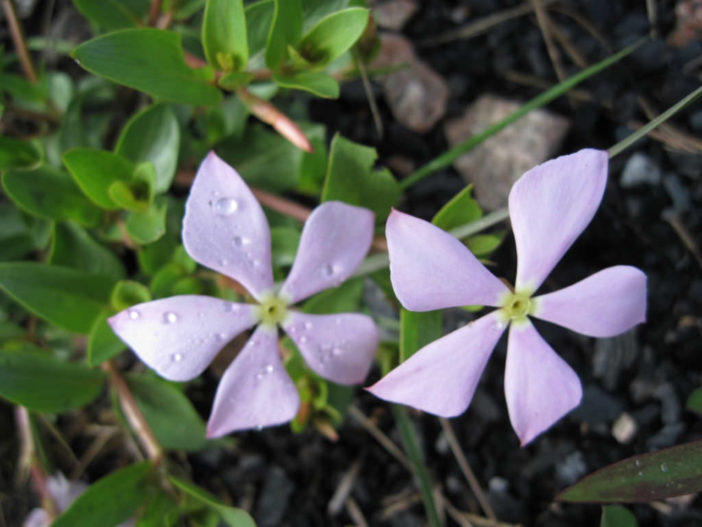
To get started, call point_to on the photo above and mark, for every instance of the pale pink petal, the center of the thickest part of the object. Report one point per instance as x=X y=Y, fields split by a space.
x=337 y=347
x=549 y=207
x=179 y=336
x=335 y=238
x=605 y=304
x=224 y=227
x=442 y=376
x=540 y=387
x=430 y=269
x=255 y=390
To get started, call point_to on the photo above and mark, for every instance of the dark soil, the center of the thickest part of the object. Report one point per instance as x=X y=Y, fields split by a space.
x=289 y=479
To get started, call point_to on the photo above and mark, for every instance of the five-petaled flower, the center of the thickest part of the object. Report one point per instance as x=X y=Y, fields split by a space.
x=225 y=229
x=549 y=207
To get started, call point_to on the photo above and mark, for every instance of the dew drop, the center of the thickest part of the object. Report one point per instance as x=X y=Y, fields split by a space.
x=226 y=206
x=266 y=370
x=201 y=315
x=134 y=314
x=220 y=336
x=664 y=467
x=638 y=463
x=176 y=357
x=240 y=241
x=327 y=270
x=170 y=318
x=223 y=261
x=640 y=474
x=303 y=339
x=336 y=351
x=308 y=325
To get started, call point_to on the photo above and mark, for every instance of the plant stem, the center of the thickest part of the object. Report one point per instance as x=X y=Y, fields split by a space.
x=638 y=134
x=414 y=453
x=19 y=41
x=133 y=414
x=454 y=153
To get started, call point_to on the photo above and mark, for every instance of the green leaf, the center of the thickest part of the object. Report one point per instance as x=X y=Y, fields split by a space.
x=15 y=153
x=343 y=299
x=484 y=244
x=42 y=383
x=315 y=10
x=333 y=35
x=285 y=30
x=284 y=242
x=230 y=515
x=127 y=293
x=351 y=178
x=95 y=171
x=149 y=60
x=264 y=159
x=174 y=421
x=49 y=193
x=417 y=330
x=69 y=298
x=694 y=402
x=137 y=194
x=670 y=472
x=149 y=226
x=259 y=16
x=616 y=516
x=111 y=500
x=461 y=209
x=235 y=79
x=153 y=135
x=224 y=35
x=72 y=246
x=108 y=14
x=103 y=344
x=318 y=83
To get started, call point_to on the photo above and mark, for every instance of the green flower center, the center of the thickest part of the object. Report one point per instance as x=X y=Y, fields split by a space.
x=517 y=306
x=272 y=310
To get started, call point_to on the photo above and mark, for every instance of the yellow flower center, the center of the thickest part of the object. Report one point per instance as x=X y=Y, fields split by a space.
x=272 y=310
x=516 y=307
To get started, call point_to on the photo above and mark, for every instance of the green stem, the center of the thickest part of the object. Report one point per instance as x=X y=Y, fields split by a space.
x=448 y=157
x=414 y=453
x=638 y=134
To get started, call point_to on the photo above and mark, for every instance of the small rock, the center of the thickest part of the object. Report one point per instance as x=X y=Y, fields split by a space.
x=572 y=468
x=392 y=14
x=666 y=436
x=273 y=502
x=499 y=161
x=640 y=170
x=670 y=405
x=416 y=94
x=596 y=406
x=677 y=192
x=624 y=428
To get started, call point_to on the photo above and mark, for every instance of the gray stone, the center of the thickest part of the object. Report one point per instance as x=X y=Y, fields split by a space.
x=416 y=94
x=624 y=428
x=500 y=160
x=640 y=170
x=571 y=468
x=273 y=502
x=392 y=14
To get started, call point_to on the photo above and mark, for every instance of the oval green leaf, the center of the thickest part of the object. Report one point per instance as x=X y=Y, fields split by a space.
x=111 y=500
x=153 y=135
x=285 y=30
x=149 y=60
x=616 y=516
x=230 y=515
x=72 y=246
x=670 y=472
x=174 y=421
x=315 y=82
x=103 y=344
x=15 y=153
x=40 y=382
x=333 y=35
x=224 y=35
x=95 y=170
x=49 y=193
x=150 y=225
x=70 y=298
x=108 y=14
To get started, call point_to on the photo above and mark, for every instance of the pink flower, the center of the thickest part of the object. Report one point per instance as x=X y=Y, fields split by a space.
x=224 y=228
x=549 y=207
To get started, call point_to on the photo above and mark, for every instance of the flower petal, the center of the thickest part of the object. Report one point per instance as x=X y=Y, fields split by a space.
x=224 y=227
x=540 y=387
x=255 y=390
x=179 y=336
x=442 y=376
x=334 y=240
x=430 y=269
x=549 y=206
x=337 y=347
x=605 y=304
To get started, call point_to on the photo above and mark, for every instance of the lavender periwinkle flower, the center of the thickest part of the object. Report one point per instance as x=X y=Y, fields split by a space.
x=225 y=229
x=549 y=206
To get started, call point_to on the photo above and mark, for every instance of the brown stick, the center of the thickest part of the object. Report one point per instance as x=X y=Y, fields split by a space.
x=133 y=414
x=545 y=24
x=18 y=40
x=154 y=11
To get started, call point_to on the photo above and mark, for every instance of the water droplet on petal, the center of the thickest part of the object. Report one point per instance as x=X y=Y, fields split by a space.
x=170 y=318
x=308 y=325
x=220 y=336
x=336 y=351
x=240 y=241
x=664 y=467
x=327 y=270
x=266 y=370
x=638 y=463
x=303 y=339
x=201 y=315
x=226 y=206
x=223 y=261
x=640 y=474
x=134 y=314
x=176 y=357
